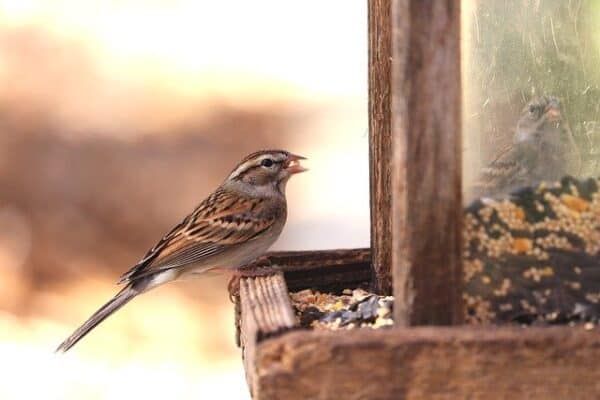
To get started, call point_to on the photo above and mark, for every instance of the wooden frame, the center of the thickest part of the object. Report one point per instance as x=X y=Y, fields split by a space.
x=263 y=306
x=430 y=363
x=422 y=363
x=416 y=214
x=426 y=168
x=380 y=142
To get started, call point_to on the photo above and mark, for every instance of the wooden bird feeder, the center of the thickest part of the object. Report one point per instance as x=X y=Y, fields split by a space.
x=416 y=216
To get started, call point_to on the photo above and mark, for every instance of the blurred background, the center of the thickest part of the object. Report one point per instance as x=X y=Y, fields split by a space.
x=116 y=119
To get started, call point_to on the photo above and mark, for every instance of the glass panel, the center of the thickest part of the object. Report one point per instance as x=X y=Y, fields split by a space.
x=531 y=118
x=531 y=93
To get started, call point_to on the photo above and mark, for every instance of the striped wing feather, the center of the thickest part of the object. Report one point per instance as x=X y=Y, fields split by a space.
x=222 y=220
x=502 y=173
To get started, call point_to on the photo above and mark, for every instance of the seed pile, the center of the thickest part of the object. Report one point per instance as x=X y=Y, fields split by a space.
x=352 y=309
x=535 y=256
x=532 y=258
x=360 y=309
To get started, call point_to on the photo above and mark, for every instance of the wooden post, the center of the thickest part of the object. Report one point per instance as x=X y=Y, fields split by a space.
x=426 y=164
x=380 y=142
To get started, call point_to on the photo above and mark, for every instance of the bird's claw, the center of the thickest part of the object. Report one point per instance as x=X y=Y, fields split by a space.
x=233 y=287
x=262 y=266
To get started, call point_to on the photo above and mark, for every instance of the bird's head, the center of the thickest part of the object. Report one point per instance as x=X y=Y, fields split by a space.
x=540 y=122
x=265 y=171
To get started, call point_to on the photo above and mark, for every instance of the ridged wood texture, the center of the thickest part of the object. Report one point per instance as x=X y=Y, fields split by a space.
x=265 y=310
x=380 y=143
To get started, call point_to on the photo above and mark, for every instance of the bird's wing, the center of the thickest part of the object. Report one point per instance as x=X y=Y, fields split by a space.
x=219 y=222
x=504 y=172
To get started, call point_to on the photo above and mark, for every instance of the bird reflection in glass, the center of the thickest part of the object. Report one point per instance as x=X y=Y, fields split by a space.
x=542 y=149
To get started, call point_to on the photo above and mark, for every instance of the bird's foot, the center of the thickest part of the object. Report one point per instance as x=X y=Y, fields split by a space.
x=262 y=266
x=233 y=287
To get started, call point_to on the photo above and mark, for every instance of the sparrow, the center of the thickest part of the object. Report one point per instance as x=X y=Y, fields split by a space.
x=232 y=227
x=542 y=149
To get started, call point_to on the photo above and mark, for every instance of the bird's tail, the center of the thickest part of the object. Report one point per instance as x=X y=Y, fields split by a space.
x=121 y=298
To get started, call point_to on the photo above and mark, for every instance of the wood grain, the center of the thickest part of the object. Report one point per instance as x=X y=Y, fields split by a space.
x=265 y=310
x=426 y=167
x=266 y=300
x=380 y=142
x=325 y=270
x=328 y=270
x=409 y=363
x=430 y=363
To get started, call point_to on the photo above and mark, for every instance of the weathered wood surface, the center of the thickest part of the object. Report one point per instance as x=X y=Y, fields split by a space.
x=331 y=270
x=263 y=307
x=430 y=363
x=326 y=270
x=380 y=142
x=267 y=303
x=426 y=166
x=405 y=363
x=265 y=310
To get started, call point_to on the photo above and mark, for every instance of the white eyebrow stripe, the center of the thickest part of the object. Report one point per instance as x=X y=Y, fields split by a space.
x=251 y=163
x=236 y=172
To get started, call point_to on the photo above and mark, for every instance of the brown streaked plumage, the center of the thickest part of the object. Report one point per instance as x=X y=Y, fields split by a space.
x=232 y=227
x=543 y=149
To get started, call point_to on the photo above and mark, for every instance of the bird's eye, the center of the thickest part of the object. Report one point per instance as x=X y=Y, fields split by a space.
x=267 y=162
x=532 y=109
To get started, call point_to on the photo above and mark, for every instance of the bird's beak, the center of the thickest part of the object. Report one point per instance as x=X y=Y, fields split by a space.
x=553 y=114
x=292 y=165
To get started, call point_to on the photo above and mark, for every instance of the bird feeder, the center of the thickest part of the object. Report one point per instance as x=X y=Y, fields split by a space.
x=415 y=254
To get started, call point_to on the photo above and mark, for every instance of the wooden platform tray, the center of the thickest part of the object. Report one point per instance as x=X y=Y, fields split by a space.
x=284 y=362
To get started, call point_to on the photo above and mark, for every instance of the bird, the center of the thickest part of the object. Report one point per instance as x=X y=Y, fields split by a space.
x=230 y=229
x=542 y=149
